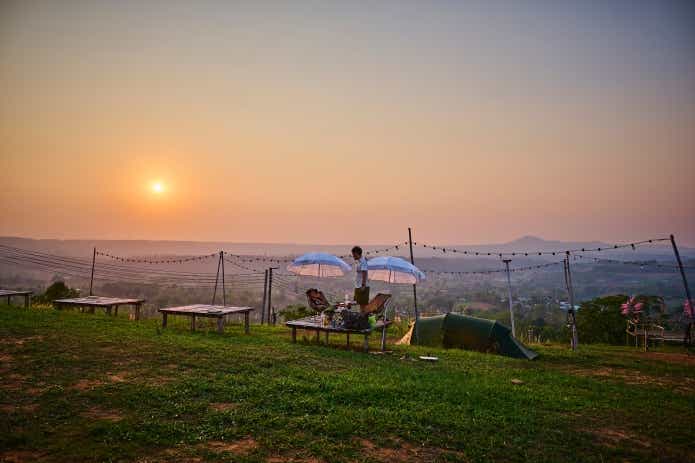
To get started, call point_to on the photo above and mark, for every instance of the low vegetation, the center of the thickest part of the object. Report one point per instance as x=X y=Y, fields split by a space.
x=80 y=387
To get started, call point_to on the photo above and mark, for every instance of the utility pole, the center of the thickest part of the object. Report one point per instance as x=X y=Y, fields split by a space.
x=265 y=293
x=224 y=296
x=217 y=278
x=687 y=340
x=270 y=292
x=91 y=280
x=571 y=318
x=509 y=287
x=412 y=261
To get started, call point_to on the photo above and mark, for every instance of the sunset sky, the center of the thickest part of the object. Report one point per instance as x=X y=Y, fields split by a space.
x=341 y=122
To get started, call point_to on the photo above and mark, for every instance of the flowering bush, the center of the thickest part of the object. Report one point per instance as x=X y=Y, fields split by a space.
x=643 y=306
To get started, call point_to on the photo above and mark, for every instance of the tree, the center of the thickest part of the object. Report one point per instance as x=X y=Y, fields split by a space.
x=600 y=321
x=57 y=290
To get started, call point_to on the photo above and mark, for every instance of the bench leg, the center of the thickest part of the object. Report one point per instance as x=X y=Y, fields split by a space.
x=137 y=312
x=27 y=301
x=220 y=325
x=247 y=316
x=115 y=311
x=366 y=343
x=383 y=339
x=164 y=319
x=193 y=323
x=348 y=340
x=318 y=336
x=294 y=334
x=9 y=299
x=109 y=309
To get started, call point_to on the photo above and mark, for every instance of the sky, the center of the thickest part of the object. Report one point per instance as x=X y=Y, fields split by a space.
x=347 y=122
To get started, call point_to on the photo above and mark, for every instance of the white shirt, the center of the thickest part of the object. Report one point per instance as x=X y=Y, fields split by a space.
x=360 y=266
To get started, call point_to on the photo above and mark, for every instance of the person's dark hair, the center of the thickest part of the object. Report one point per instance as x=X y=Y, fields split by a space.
x=357 y=250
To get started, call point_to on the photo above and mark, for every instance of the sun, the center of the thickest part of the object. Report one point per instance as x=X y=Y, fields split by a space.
x=157 y=187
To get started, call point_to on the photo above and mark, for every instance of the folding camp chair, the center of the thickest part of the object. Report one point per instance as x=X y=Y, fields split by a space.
x=317 y=300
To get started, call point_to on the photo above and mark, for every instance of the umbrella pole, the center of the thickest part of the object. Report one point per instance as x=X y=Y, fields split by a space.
x=412 y=261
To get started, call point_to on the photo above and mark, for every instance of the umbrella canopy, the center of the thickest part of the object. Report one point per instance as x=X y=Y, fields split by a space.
x=394 y=270
x=319 y=264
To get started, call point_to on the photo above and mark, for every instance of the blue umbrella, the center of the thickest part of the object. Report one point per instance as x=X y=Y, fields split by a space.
x=394 y=270
x=319 y=264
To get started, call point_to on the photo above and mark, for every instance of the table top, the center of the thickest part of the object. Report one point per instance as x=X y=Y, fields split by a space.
x=314 y=323
x=206 y=310
x=12 y=292
x=99 y=301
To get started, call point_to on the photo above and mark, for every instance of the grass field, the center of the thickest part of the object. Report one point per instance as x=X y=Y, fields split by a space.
x=78 y=387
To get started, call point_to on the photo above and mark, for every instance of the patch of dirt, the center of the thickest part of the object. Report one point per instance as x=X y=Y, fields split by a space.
x=683 y=385
x=87 y=384
x=20 y=341
x=404 y=451
x=20 y=456
x=223 y=406
x=96 y=413
x=118 y=377
x=612 y=437
x=292 y=460
x=6 y=358
x=13 y=408
x=670 y=357
x=239 y=447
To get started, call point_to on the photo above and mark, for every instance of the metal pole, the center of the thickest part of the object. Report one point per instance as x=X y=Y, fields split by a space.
x=91 y=279
x=265 y=293
x=570 y=312
x=412 y=261
x=217 y=277
x=509 y=287
x=224 y=296
x=686 y=339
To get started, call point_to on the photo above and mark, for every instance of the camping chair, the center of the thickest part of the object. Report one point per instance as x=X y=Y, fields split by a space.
x=317 y=300
x=376 y=306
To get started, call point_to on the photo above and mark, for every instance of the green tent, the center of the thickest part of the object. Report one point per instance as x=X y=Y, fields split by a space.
x=463 y=332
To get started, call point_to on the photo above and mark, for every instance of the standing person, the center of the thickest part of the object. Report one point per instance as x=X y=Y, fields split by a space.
x=361 y=288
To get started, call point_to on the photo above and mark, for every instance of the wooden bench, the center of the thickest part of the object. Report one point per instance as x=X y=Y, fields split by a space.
x=8 y=293
x=109 y=304
x=207 y=311
x=313 y=323
x=647 y=332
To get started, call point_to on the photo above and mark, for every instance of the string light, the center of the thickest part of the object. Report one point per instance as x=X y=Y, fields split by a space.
x=539 y=253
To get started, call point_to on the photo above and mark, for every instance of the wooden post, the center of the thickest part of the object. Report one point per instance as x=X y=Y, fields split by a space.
x=265 y=293
x=164 y=319
x=246 y=322
x=412 y=261
x=686 y=338
x=224 y=296
x=509 y=287
x=91 y=279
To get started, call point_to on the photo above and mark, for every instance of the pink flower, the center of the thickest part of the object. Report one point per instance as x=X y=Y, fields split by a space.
x=688 y=308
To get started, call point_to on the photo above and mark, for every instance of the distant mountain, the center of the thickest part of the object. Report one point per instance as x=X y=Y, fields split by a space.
x=83 y=248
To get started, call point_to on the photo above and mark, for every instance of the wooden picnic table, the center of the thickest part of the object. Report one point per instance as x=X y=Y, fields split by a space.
x=313 y=323
x=109 y=304
x=207 y=311
x=8 y=293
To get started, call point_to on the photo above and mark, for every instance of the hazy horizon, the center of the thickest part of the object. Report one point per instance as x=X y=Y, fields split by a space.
x=336 y=122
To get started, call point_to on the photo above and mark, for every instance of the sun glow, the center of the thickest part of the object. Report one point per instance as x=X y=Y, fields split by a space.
x=157 y=187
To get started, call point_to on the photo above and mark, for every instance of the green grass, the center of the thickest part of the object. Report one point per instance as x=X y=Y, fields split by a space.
x=81 y=387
